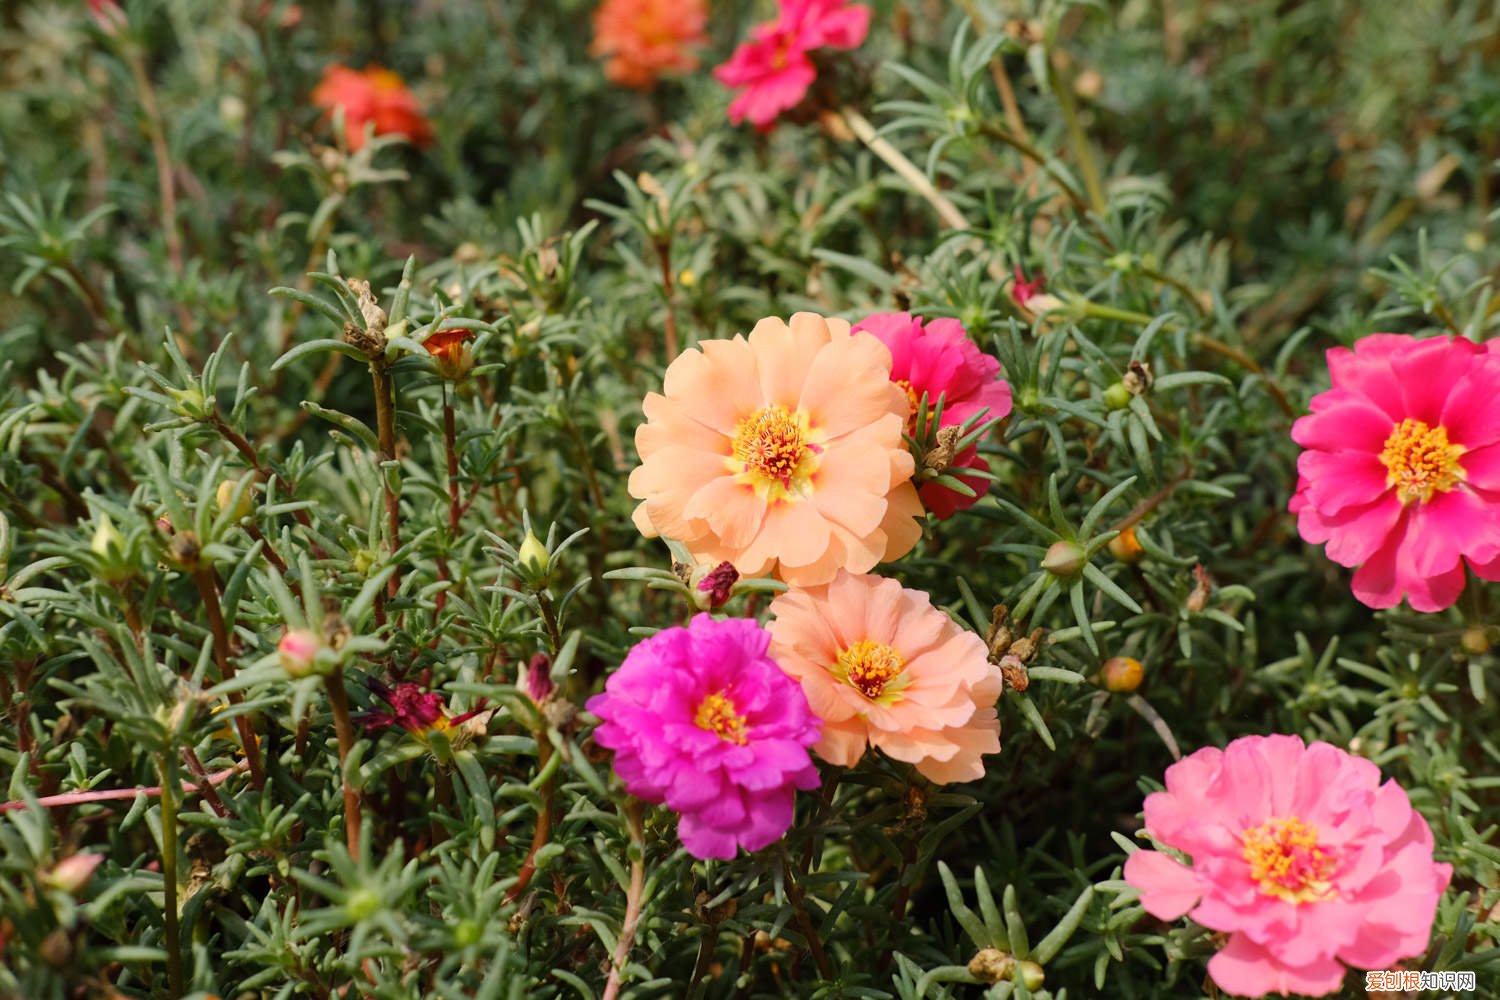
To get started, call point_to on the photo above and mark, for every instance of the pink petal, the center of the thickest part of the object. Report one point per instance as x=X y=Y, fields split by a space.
x=1245 y=968
x=1168 y=887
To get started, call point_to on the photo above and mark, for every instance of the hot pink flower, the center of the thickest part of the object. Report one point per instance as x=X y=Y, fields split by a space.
x=702 y=719
x=1300 y=854
x=939 y=359
x=1401 y=472
x=772 y=71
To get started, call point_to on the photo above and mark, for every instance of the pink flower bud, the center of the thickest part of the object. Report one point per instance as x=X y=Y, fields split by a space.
x=538 y=679
x=717 y=583
x=299 y=650
x=71 y=874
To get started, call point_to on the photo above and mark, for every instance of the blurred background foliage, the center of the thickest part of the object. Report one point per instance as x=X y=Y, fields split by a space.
x=1214 y=192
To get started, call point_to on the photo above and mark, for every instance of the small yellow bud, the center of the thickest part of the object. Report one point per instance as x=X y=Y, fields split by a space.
x=1121 y=674
x=1476 y=640
x=238 y=510
x=1126 y=547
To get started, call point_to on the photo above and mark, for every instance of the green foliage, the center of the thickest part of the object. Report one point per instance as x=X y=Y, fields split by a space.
x=219 y=422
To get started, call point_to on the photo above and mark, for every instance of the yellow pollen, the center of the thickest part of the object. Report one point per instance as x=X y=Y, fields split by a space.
x=717 y=715
x=1419 y=461
x=771 y=449
x=871 y=667
x=1286 y=862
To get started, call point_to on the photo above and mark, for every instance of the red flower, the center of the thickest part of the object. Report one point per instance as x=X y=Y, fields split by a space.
x=717 y=583
x=372 y=96
x=450 y=349
x=645 y=39
x=1024 y=291
x=418 y=712
x=772 y=72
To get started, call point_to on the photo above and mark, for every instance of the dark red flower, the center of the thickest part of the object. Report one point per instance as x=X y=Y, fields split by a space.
x=418 y=712
x=718 y=583
x=538 y=679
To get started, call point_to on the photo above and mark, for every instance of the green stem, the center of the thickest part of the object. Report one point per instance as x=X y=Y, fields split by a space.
x=169 y=875
x=1063 y=87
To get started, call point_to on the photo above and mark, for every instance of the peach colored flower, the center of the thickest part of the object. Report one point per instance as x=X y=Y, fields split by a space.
x=372 y=96
x=781 y=453
x=645 y=39
x=882 y=667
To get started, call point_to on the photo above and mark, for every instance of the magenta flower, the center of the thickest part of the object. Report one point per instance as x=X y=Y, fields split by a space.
x=1300 y=854
x=1401 y=472
x=772 y=71
x=939 y=359
x=700 y=718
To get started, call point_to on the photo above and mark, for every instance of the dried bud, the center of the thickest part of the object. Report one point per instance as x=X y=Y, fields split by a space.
x=1202 y=587
x=1475 y=640
x=1137 y=379
x=715 y=585
x=941 y=455
x=991 y=965
x=1126 y=547
x=1121 y=674
x=183 y=550
x=57 y=949
x=538 y=678
x=71 y=874
x=299 y=650
x=1014 y=672
x=1064 y=560
x=1026 y=649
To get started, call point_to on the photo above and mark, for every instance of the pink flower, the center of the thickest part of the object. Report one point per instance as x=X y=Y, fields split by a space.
x=772 y=71
x=1300 y=854
x=939 y=359
x=1023 y=291
x=1401 y=472
x=418 y=712
x=702 y=719
x=536 y=678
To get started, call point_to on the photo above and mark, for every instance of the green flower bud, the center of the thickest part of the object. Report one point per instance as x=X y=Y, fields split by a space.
x=107 y=542
x=1064 y=560
x=1117 y=396
x=533 y=559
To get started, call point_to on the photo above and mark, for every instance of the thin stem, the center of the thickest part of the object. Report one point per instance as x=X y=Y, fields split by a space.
x=908 y=170
x=314 y=262
x=65 y=799
x=1026 y=149
x=1082 y=151
x=159 y=152
x=1245 y=361
x=450 y=445
x=664 y=258
x=804 y=921
x=338 y=701
x=543 y=822
x=208 y=591
x=173 y=935
x=385 y=426
x=247 y=451
x=632 y=898
x=210 y=794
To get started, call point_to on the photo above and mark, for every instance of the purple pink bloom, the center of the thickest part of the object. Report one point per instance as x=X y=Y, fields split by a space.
x=701 y=719
x=1400 y=475
x=936 y=357
x=1300 y=854
x=772 y=72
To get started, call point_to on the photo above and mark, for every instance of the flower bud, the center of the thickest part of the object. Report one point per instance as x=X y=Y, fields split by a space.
x=71 y=874
x=713 y=585
x=299 y=652
x=1121 y=674
x=1475 y=640
x=991 y=965
x=107 y=543
x=1032 y=975
x=238 y=509
x=191 y=402
x=533 y=561
x=537 y=678
x=1064 y=560
x=1126 y=547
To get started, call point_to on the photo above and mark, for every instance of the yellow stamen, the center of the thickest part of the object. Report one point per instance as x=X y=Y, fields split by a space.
x=1286 y=861
x=873 y=668
x=717 y=715
x=1419 y=461
x=773 y=452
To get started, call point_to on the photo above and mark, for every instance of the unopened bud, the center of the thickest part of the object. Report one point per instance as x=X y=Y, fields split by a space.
x=1121 y=674
x=107 y=541
x=1126 y=547
x=538 y=678
x=299 y=652
x=183 y=550
x=1032 y=975
x=1475 y=640
x=533 y=559
x=240 y=508
x=1064 y=560
x=713 y=585
x=71 y=874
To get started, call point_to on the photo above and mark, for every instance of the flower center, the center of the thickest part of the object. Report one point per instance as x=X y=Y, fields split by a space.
x=1287 y=863
x=717 y=715
x=873 y=668
x=1420 y=461
x=772 y=452
x=913 y=401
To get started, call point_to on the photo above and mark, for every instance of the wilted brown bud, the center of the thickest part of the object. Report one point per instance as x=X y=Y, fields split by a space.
x=1202 y=588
